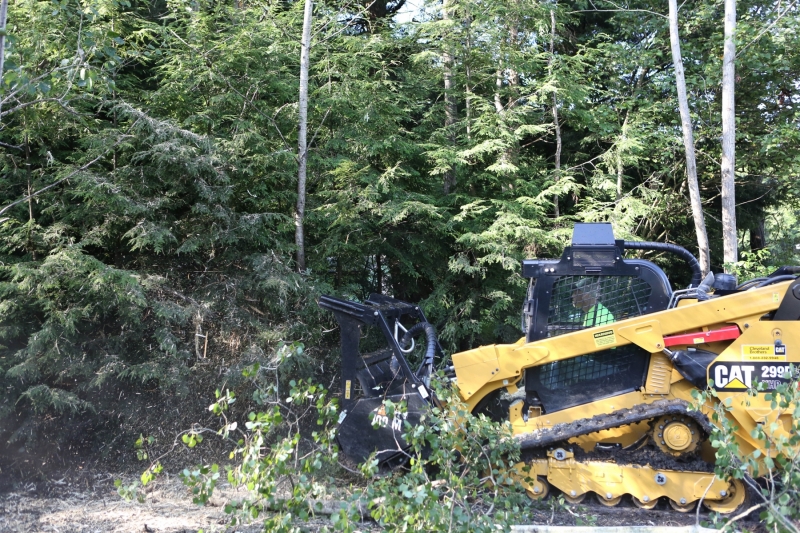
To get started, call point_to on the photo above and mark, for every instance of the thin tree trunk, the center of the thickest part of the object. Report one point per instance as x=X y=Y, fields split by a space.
x=506 y=156
x=639 y=75
x=513 y=75
x=378 y=274
x=30 y=199
x=555 y=107
x=758 y=236
x=498 y=83
x=729 y=237
x=450 y=109
x=468 y=75
x=688 y=140
x=302 y=148
x=3 y=17
x=620 y=166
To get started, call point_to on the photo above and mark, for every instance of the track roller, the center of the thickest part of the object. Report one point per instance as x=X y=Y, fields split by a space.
x=650 y=503
x=607 y=500
x=574 y=498
x=731 y=502
x=682 y=506
x=539 y=489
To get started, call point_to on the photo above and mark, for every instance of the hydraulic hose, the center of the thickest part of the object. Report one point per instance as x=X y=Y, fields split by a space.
x=747 y=284
x=776 y=279
x=694 y=264
x=430 y=336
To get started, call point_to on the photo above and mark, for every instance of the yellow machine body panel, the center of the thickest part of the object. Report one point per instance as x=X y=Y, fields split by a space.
x=485 y=369
x=739 y=364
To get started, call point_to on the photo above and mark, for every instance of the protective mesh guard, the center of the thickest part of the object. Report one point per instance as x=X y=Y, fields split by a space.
x=580 y=302
x=587 y=378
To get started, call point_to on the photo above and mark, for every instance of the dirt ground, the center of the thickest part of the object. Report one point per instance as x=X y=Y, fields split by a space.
x=92 y=505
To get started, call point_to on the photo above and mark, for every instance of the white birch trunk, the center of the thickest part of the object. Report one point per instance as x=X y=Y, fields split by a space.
x=555 y=108
x=688 y=140
x=3 y=17
x=729 y=238
x=450 y=109
x=498 y=83
x=302 y=148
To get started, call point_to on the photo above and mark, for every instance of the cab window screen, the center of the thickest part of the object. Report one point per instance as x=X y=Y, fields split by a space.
x=580 y=302
x=587 y=378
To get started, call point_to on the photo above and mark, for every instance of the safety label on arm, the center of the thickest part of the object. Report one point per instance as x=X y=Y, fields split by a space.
x=605 y=338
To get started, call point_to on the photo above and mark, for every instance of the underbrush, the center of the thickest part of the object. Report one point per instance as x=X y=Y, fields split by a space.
x=88 y=363
x=454 y=476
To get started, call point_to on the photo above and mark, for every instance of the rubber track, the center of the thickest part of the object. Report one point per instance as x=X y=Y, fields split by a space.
x=540 y=438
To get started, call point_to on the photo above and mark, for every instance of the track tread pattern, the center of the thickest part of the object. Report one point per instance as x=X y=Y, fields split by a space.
x=544 y=437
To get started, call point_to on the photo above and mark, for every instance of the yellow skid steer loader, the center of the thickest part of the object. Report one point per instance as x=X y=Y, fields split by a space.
x=599 y=390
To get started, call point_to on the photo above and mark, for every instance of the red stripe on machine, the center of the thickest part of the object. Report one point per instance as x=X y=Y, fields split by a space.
x=701 y=337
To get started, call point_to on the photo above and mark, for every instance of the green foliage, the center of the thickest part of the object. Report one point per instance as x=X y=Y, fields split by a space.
x=457 y=478
x=775 y=461
x=284 y=455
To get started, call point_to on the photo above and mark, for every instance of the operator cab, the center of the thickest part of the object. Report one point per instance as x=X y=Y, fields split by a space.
x=591 y=285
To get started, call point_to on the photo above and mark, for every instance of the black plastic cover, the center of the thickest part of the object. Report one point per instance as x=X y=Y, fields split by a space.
x=693 y=365
x=594 y=234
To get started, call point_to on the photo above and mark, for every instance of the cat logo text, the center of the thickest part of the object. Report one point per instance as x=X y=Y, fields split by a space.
x=730 y=377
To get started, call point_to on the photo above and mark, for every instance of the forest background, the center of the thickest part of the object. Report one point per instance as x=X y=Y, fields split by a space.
x=151 y=150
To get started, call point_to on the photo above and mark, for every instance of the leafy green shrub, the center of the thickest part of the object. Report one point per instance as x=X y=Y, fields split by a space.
x=774 y=495
x=455 y=476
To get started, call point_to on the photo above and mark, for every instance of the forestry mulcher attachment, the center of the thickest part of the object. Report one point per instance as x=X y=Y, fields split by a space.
x=598 y=392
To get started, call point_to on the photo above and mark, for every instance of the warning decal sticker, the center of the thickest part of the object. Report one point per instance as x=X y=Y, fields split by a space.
x=763 y=352
x=605 y=338
x=730 y=377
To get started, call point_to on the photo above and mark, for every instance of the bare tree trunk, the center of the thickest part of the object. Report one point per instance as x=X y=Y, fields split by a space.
x=3 y=17
x=729 y=237
x=640 y=74
x=468 y=75
x=450 y=109
x=758 y=235
x=302 y=148
x=513 y=75
x=688 y=140
x=620 y=166
x=555 y=106
x=498 y=83
x=29 y=245
x=378 y=274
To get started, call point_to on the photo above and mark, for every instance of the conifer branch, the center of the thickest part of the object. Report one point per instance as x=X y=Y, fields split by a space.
x=71 y=174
